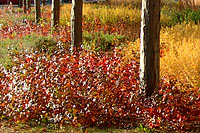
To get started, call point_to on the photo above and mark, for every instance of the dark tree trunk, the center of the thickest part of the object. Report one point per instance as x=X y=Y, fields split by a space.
x=29 y=5
x=150 y=46
x=37 y=11
x=24 y=6
x=55 y=18
x=43 y=2
x=20 y=3
x=76 y=23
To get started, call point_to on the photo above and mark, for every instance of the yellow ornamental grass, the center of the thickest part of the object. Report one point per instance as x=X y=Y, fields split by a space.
x=109 y=14
x=65 y=14
x=182 y=59
x=138 y=2
x=105 y=13
x=181 y=47
x=112 y=15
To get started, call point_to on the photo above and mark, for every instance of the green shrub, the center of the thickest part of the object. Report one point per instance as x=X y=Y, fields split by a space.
x=101 y=41
x=171 y=17
x=45 y=44
x=187 y=15
x=166 y=16
x=41 y=43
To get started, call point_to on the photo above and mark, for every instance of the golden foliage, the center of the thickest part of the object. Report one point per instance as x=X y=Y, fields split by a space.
x=181 y=47
x=182 y=60
x=104 y=13
x=65 y=14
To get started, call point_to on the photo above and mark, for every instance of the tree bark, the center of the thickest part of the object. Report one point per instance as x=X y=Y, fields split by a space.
x=55 y=16
x=108 y=2
x=76 y=24
x=20 y=3
x=150 y=46
x=37 y=11
x=29 y=5
x=43 y=2
x=24 y=6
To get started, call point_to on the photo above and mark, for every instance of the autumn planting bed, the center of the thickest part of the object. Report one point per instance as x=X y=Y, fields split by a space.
x=90 y=88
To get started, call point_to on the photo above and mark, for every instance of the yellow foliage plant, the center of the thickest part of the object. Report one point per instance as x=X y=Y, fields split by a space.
x=180 y=50
x=181 y=59
x=105 y=13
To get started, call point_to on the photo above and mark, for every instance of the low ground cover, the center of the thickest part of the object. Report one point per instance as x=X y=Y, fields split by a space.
x=42 y=84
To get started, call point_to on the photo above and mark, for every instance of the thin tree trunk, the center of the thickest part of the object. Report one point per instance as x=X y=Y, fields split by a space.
x=76 y=23
x=37 y=11
x=108 y=2
x=55 y=18
x=43 y=2
x=20 y=3
x=150 y=46
x=24 y=6
x=29 y=5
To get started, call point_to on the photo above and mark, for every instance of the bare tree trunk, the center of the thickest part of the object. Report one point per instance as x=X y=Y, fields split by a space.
x=150 y=46
x=55 y=16
x=76 y=23
x=193 y=5
x=37 y=11
x=20 y=3
x=24 y=6
x=43 y=2
x=180 y=5
x=108 y=2
x=29 y=5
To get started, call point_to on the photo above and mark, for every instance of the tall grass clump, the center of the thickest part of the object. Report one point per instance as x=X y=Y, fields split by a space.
x=179 y=53
x=182 y=59
x=113 y=15
x=128 y=14
x=138 y=3
x=65 y=13
x=135 y=3
x=106 y=14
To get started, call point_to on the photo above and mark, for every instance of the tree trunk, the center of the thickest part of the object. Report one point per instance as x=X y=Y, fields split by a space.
x=20 y=3
x=150 y=46
x=43 y=2
x=24 y=6
x=76 y=24
x=37 y=11
x=55 y=16
x=29 y=5
x=108 y=2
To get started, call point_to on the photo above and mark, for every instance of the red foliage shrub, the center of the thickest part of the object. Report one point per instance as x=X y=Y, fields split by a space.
x=91 y=89
x=86 y=88
x=173 y=109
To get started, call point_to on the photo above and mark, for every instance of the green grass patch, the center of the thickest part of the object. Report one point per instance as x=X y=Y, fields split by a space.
x=28 y=43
